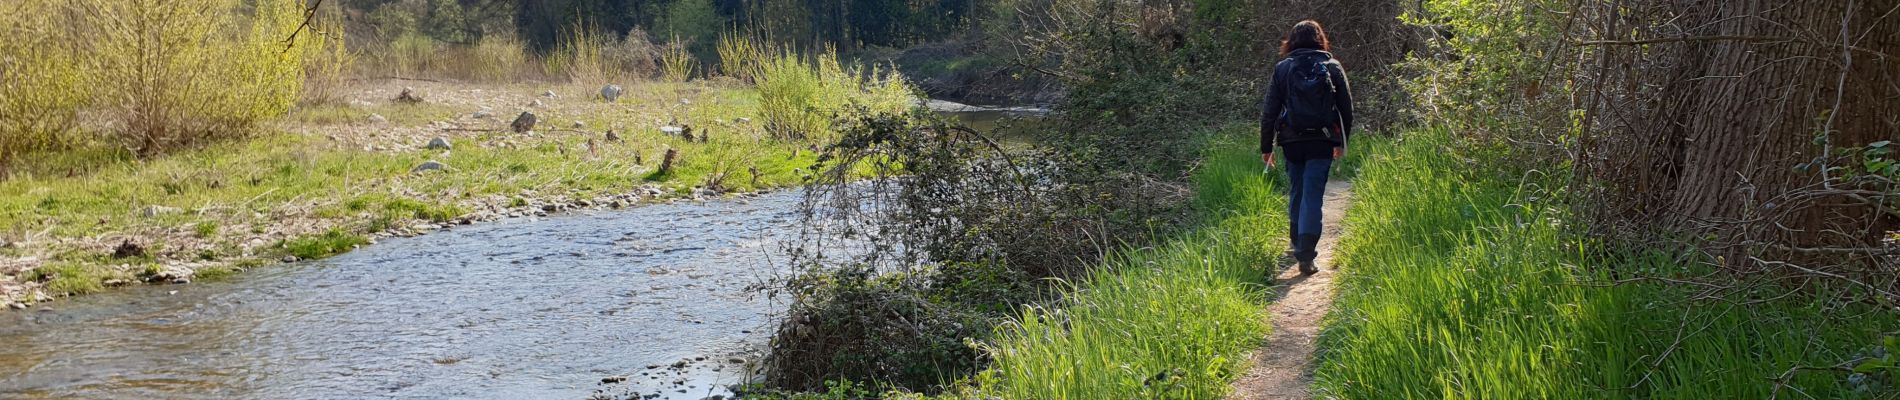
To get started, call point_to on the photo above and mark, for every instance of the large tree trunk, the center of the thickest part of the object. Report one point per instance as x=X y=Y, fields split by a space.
x=1747 y=92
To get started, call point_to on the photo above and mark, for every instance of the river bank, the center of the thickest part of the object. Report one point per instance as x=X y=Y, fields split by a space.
x=344 y=175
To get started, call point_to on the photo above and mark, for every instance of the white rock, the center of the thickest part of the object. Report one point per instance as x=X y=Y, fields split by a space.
x=152 y=211
x=610 y=93
x=483 y=114
x=378 y=119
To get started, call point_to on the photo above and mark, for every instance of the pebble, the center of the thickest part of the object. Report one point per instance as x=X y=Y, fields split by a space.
x=483 y=114
x=613 y=379
x=17 y=306
x=290 y=259
x=378 y=119
x=439 y=143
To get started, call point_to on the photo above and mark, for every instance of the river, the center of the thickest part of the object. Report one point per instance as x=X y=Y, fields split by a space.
x=645 y=302
x=515 y=309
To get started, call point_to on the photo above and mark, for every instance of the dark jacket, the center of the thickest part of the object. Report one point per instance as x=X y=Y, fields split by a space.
x=1273 y=130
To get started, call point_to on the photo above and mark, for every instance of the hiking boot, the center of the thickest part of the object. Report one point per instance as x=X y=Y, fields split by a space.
x=1308 y=268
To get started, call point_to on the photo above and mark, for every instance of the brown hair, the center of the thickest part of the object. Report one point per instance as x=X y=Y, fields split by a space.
x=1306 y=35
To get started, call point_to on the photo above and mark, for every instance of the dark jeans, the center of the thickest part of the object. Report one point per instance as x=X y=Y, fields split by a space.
x=1306 y=195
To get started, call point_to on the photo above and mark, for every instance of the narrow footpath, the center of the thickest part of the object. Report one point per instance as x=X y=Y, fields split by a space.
x=1282 y=367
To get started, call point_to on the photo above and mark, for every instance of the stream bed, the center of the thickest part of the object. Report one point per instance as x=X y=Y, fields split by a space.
x=645 y=302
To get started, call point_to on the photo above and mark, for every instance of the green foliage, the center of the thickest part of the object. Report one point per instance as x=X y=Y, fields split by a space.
x=205 y=229
x=1457 y=283
x=331 y=242
x=1488 y=79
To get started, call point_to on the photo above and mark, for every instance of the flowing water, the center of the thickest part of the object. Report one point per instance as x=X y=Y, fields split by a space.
x=516 y=309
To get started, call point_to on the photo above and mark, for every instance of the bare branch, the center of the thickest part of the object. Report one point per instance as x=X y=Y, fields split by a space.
x=1717 y=38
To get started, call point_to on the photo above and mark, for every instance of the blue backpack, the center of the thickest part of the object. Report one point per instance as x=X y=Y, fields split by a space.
x=1311 y=107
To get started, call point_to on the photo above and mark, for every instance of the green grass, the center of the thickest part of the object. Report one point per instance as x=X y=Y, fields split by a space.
x=1457 y=284
x=328 y=243
x=70 y=278
x=1168 y=322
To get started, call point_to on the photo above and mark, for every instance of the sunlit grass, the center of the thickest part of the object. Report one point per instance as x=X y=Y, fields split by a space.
x=1457 y=284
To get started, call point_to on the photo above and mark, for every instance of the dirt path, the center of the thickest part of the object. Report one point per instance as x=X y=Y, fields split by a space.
x=1282 y=367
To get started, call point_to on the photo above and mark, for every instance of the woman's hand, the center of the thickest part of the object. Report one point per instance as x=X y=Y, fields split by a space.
x=1339 y=153
x=1268 y=158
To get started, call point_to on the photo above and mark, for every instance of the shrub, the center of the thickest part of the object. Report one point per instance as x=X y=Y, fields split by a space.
x=798 y=97
x=197 y=76
x=327 y=64
x=40 y=91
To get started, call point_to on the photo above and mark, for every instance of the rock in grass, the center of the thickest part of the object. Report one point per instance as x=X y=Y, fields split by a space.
x=430 y=165
x=439 y=143
x=612 y=136
x=537 y=104
x=378 y=119
x=524 y=122
x=409 y=95
x=483 y=114
x=17 y=306
x=549 y=94
x=579 y=124
x=610 y=93
x=128 y=249
x=153 y=211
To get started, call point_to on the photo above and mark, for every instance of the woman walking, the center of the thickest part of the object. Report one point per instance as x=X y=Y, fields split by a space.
x=1308 y=115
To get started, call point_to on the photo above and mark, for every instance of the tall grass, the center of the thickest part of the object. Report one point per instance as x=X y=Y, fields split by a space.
x=799 y=96
x=498 y=58
x=742 y=56
x=1169 y=322
x=1458 y=282
x=676 y=63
